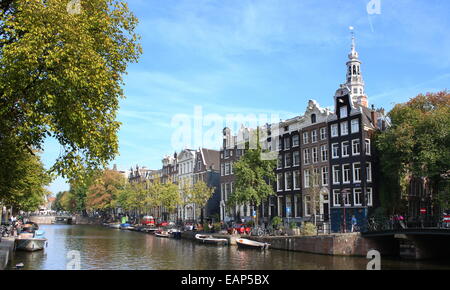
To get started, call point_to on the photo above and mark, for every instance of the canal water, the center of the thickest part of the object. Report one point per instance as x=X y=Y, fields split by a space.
x=105 y=248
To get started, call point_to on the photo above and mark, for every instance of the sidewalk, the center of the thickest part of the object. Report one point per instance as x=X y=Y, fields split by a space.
x=6 y=249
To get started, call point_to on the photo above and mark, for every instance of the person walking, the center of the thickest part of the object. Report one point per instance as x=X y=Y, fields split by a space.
x=354 y=224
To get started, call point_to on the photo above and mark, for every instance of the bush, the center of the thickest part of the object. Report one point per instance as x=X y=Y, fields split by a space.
x=293 y=225
x=276 y=222
x=309 y=229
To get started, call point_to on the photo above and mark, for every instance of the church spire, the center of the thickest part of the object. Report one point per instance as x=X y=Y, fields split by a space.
x=355 y=83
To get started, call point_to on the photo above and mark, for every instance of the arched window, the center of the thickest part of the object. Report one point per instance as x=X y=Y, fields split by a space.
x=313 y=118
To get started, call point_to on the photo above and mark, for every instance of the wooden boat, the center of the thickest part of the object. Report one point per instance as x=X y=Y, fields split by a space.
x=149 y=230
x=162 y=234
x=31 y=241
x=209 y=239
x=244 y=243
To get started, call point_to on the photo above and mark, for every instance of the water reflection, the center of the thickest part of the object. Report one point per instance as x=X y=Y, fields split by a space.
x=104 y=248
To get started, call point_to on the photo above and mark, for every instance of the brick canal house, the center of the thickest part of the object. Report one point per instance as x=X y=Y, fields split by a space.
x=206 y=168
x=353 y=162
x=186 y=161
x=326 y=164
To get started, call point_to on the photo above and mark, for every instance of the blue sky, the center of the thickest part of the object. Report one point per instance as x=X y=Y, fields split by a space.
x=266 y=57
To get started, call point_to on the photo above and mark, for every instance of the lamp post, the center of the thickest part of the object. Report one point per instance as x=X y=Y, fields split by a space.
x=344 y=191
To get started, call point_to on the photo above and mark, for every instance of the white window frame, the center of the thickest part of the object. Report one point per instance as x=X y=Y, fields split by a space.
x=324 y=153
x=295 y=163
x=323 y=133
x=333 y=156
x=286 y=174
x=367 y=146
x=348 y=149
x=314 y=155
x=279 y=185
x=297 y=179
x=354 y=124
x=354 y=173
x=285 y=160
x=335 y=172
x=287 y=143
x=306 y=156
x=369 y=171
x=314 y=136
x=369 y=196
x=346 y=196
x=343 y=112
x=306 y=175
x=334 y=130
x=344 y=180
x=344 y=128
x=325 y=176
x=280 y=161
x=307 y=202
x=305 y=137
x=357 y=201
x=353 y=147
x=316 y=177
x=336 y=197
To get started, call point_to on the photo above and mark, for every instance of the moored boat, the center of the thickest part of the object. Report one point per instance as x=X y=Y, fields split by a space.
x=245 y=243
x=114 y=226
x=162 y=234
x=31 y=241
x=149 y=230
x=209 y=239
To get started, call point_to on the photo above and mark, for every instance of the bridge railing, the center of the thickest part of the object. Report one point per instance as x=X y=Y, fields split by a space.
x=386 y=224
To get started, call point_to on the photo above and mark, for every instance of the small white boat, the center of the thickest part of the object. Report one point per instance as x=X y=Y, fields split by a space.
x=244 y=243
x=209 y=239
x=149 y=230
x=162 y=234
x=114 y=226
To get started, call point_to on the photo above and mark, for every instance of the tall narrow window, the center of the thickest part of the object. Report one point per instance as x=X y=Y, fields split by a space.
x=334 y=130
x=369 y=171
x=335 y=150
x=280 y=161
x=345 y=149
x=336 y=197
x=325 y=176
x=367 y=143
x=356 y=150
x=355 y=126
x=357 y=196
x=346 y=173
x=316 y=176
x=315 y=155
x=279 y=182
x=314 y=136
x=324 y=153
x=323 y=133
x=306 y=156
x=307 y=176
x=305 y=138
x=344 y=128
x=336 y=174
x=295 y=141
x=343 y=112
x=287 y=143
x=296 y=158
x=287 y=160
x=297 y=179
x=356 y=172
x=313 y=118
x=288 y=180
x=369 y=196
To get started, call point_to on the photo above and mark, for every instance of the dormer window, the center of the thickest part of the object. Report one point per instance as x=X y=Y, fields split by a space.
x=313 y=118
x=343 y=112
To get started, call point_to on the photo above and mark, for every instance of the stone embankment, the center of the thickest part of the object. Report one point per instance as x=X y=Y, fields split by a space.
x=6 y=250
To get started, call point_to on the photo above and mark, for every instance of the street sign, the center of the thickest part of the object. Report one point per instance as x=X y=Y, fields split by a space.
x=423 y=210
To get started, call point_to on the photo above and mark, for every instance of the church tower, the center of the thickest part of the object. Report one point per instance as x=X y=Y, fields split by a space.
x=354 y=84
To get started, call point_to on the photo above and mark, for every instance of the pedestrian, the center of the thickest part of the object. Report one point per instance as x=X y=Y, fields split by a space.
x=354 y=223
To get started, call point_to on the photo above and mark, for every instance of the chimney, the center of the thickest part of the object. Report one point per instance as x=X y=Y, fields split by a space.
x=373 y=116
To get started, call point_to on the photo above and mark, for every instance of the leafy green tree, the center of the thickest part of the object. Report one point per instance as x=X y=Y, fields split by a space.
x=254 y=178
x=62 y=76
x=22 y=178
x=199 y=195
x=170 y=196
x=416 y=145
